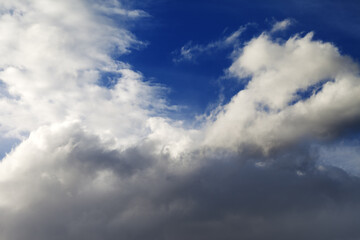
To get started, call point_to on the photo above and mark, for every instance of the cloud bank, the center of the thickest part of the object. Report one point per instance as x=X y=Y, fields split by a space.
x=99 y=159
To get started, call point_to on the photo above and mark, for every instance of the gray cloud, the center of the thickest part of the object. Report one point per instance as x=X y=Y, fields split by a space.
x=83 y=190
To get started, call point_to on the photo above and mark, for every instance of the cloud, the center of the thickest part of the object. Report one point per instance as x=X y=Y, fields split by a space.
x=298 y=89
x=56 y=58
x=281 y=25
x=190 y=52
x=83 y=189
x=98 y=157
x=344 y=155
x=114 y=7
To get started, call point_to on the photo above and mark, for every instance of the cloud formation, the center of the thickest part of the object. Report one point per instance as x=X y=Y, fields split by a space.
x=297 y=89
x=99 y=159
x=58 y=59
x=64 y=183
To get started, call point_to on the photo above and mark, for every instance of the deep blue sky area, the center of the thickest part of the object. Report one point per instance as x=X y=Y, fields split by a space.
x=173 y=23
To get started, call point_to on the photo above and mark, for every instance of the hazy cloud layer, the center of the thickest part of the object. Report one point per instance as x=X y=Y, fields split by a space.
x=98 y=159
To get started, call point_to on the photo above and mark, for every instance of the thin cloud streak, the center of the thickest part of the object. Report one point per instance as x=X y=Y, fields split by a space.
x=281 y=25
x=190 y=52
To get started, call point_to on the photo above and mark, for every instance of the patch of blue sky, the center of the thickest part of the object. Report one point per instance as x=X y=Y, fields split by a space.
x=304 y=94
x=6 y=145
x=108 y=79
x=199 y=84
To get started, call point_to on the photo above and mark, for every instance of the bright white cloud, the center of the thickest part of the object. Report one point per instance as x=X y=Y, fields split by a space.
x=271 y=110
x=56 y=56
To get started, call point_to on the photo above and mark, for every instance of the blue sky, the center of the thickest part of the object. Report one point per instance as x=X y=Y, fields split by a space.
x=175 y=120
x=174 y=23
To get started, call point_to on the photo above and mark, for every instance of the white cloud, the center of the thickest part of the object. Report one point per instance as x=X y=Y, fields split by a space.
x=281 y=25
x=56 y=54
x=270 y=111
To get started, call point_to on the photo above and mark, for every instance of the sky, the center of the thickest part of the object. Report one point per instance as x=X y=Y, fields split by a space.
x=166 y=119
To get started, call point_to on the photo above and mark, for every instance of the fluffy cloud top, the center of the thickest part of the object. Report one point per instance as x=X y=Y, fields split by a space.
x=58 y=57
x=298 y=88
x=99 y=159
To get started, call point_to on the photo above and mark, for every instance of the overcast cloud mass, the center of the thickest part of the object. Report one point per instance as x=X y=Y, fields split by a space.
x=99 y=157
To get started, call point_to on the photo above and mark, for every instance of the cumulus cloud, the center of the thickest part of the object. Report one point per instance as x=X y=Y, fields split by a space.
x=57 y=57
x=99 y=159
x=300 y=88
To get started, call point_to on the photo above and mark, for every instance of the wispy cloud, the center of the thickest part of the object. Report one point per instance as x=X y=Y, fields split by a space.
x=190 y=51
x=281 y=25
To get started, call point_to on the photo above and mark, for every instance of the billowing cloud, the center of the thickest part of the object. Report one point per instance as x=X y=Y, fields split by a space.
x=63 y=182
x=100 y=159
x=297 y=89
x=58 y=60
